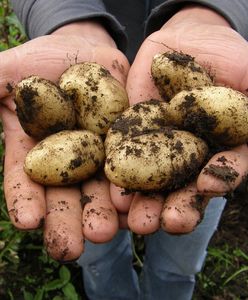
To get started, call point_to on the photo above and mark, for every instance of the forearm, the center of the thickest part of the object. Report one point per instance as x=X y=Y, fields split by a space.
x=92 y=30
x=41 y=17
x=197 y=14
x=223 y=12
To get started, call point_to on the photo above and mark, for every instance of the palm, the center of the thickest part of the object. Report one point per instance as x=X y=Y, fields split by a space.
x=224 y=52
x=29 y=203
x=218 y=48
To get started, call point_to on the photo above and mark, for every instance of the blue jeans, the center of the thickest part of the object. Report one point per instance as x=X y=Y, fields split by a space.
x=170 y=263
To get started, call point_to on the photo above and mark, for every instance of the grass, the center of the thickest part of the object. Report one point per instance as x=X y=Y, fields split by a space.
x=11 y=31
x=224 y=269
x=225 y=274
x=27 y=272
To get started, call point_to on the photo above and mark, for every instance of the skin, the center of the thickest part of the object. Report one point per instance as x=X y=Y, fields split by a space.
x=236 y=160
x=30 y=204
x=208 y=37
x=100 y=219
x=186 y=207
x=63 y=238
x=195 y=30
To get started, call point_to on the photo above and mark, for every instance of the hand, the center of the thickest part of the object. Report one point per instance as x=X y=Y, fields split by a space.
x=29 y=203
x=208 y=37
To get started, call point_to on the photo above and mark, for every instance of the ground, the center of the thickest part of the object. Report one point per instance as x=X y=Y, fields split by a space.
x=228 y=254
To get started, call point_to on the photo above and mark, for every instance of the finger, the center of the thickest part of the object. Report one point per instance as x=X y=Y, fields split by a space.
x=120 y=198
x=183 y=210
x=63 y=233
x=144 y=213
x=25 y=199
x=224 y=172
x=100 y=219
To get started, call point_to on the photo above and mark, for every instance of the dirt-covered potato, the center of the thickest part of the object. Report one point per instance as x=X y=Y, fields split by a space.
x=157 y=160
x=135 y=120
x=65 y=157
x=218 y=114
x=98 y=97
x=42 y=108
x=174 y=71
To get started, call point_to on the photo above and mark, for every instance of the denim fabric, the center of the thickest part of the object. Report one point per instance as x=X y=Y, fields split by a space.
x=107 y=269
x=170 y=265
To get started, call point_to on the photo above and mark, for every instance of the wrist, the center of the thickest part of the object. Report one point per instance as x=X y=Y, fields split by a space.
x=197 y=14
x=91 y=30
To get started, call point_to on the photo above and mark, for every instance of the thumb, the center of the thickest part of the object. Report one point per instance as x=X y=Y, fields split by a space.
x=140 y=86
x=224 y=172
x=9 y=71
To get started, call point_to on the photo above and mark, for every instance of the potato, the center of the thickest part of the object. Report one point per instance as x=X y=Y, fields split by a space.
x=218 y=114
x=65 y=157
x=98 y=97
x=174 y=71
x=158 y=160
x=42 y=108
x=137 y=119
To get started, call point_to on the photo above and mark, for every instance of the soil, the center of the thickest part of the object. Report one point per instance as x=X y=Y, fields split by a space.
x=232 y=232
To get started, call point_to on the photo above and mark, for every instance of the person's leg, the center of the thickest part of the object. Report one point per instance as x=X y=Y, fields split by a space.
x=171 y=262
x=107 y=268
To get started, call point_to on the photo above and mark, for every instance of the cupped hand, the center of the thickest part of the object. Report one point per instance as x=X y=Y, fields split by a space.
x=59 y=208
x=208 y=37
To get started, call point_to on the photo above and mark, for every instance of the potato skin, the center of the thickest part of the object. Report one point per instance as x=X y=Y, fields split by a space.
x=98 y=97
x=65 y=157
x=218 y=114
x=135 y=120
x=42 y=108
x=159 y=160
x=174 y=71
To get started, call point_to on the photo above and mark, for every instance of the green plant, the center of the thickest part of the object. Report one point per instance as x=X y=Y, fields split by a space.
x=11 y=31
x=49 y=279
x=61 y=283
x=238 y=255
x=224 y=265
